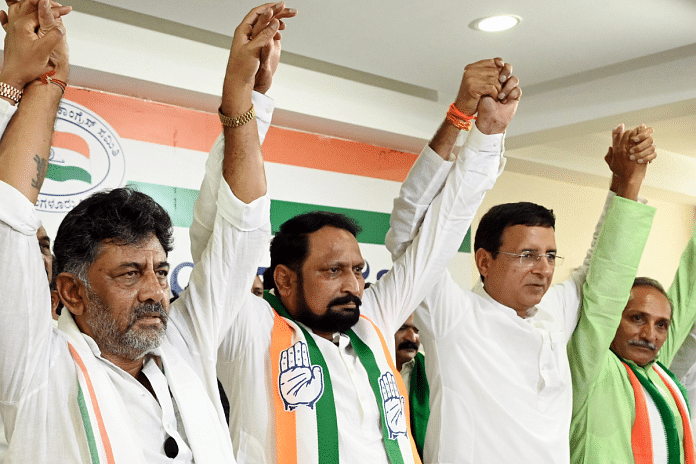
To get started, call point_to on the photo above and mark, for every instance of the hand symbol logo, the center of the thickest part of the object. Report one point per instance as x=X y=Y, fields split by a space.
x=394 y=406
x=299 y=382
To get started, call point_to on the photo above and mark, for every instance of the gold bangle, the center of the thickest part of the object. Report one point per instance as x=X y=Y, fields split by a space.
x=236 y=121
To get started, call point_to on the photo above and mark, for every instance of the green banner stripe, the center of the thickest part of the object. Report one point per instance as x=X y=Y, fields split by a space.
x=179 y=204
x=176 y=200
x=61 y=173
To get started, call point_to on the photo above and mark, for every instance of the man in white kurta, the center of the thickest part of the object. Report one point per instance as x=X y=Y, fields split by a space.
x=39 y=376
x=61 y=400
x=500 y=385
x=245 y=367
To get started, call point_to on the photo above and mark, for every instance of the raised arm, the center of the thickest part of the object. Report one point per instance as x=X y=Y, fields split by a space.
x=206 y=208
x=240 y=230
x=25 y=324
x=614 y=263
x=25 y=146
x=448 y=219
x=637 y=147
x=682 y=294
x=427 y=176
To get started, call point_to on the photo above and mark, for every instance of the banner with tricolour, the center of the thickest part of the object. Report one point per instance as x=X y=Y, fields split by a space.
x=105 y=141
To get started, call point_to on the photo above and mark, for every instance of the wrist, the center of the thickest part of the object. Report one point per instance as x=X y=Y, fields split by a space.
x=627 y=188
x=236 y=97
x=490 y=127
x=467 y=107
x=12 y=79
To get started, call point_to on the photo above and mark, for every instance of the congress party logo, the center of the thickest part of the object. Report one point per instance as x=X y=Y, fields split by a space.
x=86 y=156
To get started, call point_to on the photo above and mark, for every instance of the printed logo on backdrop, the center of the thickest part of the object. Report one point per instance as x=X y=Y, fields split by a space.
x=86 y=156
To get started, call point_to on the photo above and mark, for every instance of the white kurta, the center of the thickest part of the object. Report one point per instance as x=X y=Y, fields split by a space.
x=6 y=112
x=500 y=387
x=244 y=364
x=38 y=379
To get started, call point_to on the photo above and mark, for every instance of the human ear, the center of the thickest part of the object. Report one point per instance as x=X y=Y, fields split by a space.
x=284 y=278
x=483 y=260
x=71 y=293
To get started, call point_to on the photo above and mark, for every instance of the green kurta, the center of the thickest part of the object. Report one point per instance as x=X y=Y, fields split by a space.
x=603 y=399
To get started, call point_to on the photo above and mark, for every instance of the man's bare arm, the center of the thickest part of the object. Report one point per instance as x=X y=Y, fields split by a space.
x=243 y=162
x=25 y=145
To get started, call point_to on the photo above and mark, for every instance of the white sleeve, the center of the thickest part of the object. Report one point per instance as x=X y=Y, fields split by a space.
x=424 y=181
x=220 y=281
x=25 y=308
x=6 y=113
x=205 y=207
x=397 y=294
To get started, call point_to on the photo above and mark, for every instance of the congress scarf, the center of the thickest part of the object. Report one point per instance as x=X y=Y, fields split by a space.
x=641 y=437
x=305 y=412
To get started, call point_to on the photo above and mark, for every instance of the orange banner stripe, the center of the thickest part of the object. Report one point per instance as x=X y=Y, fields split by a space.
x=71 y=142
x=169 y=125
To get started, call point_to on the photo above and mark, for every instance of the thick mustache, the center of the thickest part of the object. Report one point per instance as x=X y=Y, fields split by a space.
x=643 y=344
x=344 y=300
x=408 y=345
x=149 y=310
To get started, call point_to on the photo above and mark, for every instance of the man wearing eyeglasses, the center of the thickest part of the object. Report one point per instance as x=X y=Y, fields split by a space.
x=500 y=382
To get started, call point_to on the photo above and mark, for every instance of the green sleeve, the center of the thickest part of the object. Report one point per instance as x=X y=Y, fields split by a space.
x=681 y=294
x=612 y=270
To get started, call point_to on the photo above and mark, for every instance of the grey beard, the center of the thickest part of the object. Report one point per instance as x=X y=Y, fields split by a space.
x=129 y=343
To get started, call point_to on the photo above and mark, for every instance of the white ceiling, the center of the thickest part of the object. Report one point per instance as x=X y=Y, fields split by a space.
x=584 y=67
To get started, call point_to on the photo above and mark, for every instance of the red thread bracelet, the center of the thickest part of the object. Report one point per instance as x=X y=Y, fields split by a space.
x=48 y=77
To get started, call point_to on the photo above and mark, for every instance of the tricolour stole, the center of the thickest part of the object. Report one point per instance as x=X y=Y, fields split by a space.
x=641 y=437
x=305 y=412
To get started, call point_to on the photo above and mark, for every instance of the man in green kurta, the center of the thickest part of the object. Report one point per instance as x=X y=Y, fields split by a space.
x=627 y=407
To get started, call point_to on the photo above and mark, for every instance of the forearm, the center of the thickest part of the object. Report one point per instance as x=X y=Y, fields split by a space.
x=25 y=145
x=444 y=140
x=242 y=166
x=205 y=209
x=628 y=188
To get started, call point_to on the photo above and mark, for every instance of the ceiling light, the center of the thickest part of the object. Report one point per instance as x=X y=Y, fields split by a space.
x=495 y=23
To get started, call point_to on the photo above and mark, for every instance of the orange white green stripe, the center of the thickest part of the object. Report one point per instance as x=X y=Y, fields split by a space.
x=641 y=435
x=306 y=427
x=98 y=440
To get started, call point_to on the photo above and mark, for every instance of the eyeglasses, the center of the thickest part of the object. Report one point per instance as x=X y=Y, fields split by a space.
x=529 y=259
